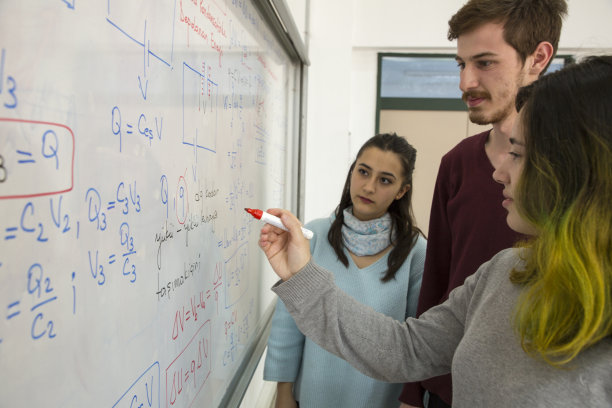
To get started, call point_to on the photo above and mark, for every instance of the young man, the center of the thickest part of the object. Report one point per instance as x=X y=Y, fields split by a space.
x=501 y=46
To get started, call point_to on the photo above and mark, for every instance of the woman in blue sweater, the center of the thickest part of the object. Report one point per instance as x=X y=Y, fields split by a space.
x=377 y=254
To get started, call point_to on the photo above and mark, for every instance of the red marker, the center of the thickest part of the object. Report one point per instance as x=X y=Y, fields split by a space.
x=272 y=220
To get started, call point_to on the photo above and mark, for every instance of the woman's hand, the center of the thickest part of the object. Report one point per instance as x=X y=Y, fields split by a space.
x=287 y=252
x=284 y=396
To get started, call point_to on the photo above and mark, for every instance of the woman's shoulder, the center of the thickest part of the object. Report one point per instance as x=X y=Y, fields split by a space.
x=319 y=224
x=421 y=243
x=509 y=258
x=498 y=267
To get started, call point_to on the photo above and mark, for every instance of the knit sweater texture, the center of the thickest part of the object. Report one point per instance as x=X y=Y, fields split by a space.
x=322 y=379
x=470 y=335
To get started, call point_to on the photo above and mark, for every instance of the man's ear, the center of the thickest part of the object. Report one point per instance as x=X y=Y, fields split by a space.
x=539 y=59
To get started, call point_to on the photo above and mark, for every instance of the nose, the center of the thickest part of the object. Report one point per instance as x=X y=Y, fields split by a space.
x=500 y=174
x=370 y=185
x=468 y=78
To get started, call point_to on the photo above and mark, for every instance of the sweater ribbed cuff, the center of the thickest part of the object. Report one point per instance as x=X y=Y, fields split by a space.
x=304 y=284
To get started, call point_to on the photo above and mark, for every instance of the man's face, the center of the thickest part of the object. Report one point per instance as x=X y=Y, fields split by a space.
x=491 y=74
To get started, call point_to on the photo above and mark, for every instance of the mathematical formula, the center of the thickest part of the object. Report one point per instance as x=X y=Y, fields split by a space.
x=131 y=138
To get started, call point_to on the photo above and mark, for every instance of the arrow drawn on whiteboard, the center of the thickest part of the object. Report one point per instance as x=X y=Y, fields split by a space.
x=143 y=92
x=70 y=4
x=145 y=49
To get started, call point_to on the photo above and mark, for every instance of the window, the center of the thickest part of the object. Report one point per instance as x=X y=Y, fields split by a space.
x=424 y=82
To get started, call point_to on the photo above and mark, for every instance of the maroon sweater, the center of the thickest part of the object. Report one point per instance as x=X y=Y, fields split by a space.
x=467 y=226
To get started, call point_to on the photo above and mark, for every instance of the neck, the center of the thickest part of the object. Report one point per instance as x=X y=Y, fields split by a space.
x=498 y=143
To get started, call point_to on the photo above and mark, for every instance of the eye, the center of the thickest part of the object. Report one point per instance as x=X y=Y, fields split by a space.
x=461 y=65
x=515 y=155
x=485 y=63
x=362 y=171
x=385 y=180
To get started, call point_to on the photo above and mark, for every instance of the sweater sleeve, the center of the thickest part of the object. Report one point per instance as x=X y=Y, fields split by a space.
x=285 y=345
x=377 y=345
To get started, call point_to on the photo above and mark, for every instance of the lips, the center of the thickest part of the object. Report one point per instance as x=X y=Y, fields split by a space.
x=507 y=201
x=365 y=200
x=473 y=99
x=472 y=102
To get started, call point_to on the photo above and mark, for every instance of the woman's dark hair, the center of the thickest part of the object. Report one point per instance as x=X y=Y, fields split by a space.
x=402 y=216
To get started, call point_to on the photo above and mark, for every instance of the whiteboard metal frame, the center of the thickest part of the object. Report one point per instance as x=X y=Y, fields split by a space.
x=279 y=19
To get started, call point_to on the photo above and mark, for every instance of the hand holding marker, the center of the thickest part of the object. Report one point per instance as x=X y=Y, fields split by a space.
x=272 y=220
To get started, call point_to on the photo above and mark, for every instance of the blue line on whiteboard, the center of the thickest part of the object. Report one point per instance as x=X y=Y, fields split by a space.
x=12 y=305
x=173 y=24
x=111 y=259
x=137 y=42
x=145 y=46
x=261 y=130
x=199 y=73
x=73 y=294
x=69 y=4
x=10 y=236
x=28 y=154
x=195 y=143
x=134 y=393
x=234 y=270
x=44 y=302
x=143 y=92
x=201 y=147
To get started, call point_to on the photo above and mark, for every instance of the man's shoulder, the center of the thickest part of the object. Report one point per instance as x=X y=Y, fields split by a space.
x=467 y=146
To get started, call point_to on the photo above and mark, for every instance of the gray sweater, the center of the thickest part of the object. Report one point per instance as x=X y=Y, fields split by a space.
x=470 y=335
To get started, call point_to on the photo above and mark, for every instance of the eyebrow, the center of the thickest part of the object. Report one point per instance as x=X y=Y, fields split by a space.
x=386 y=173
x=513 y=141
x=477 y=56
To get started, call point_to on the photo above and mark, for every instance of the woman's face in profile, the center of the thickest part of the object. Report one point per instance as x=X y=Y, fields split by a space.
x=508 y=174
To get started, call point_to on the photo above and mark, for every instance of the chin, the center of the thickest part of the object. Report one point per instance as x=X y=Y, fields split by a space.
x=478 y=118
x=521 y=226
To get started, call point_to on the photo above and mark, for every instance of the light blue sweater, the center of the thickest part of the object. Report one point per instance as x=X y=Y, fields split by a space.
x=322 y=379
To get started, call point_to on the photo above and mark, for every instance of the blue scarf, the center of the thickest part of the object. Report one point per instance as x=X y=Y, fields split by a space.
x=365 y=237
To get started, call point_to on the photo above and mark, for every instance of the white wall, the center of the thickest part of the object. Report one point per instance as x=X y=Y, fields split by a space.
x=344 y=38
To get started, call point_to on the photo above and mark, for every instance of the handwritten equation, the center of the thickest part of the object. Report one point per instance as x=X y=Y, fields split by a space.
x=131 y=138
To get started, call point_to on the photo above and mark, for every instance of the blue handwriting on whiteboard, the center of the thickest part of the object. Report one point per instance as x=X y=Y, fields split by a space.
x=11 y=85
x=95 y=213
x=39 y=286
x=143 y=128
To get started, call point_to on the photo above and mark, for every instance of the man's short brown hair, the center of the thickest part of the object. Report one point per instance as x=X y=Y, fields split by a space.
x=526 y=22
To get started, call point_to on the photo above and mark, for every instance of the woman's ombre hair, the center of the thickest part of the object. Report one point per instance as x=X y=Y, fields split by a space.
x=565 y=191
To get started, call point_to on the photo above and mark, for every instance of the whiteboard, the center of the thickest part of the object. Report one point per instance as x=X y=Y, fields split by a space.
x=132 y=136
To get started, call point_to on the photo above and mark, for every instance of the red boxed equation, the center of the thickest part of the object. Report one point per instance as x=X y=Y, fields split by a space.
x=36 y=158
x=187 y=374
